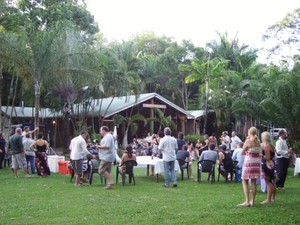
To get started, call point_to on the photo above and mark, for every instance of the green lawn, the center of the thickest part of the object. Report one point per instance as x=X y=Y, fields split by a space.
x=55 y=200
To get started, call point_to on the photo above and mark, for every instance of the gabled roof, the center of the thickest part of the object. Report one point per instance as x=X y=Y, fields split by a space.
x=110 y=106
x=198 y=113
x=28 y=112
x=105 y=107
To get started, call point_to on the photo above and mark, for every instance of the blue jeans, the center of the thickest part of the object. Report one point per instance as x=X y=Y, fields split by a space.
x=169 y=167
x=30 y=159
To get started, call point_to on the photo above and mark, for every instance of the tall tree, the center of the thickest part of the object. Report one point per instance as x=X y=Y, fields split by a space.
x=282 y=40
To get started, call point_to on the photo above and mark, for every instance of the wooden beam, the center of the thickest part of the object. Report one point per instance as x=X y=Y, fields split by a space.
x=154 y=106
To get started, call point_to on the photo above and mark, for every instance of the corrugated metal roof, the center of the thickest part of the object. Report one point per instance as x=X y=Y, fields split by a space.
x=110 y=106
x=198 y=113
x=28 y=112
x=105 y=107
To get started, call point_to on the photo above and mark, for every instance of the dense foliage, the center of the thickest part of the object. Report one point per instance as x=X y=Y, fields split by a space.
x=55 y=45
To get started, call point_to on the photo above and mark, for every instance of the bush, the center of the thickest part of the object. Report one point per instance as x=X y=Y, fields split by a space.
x=193 y=138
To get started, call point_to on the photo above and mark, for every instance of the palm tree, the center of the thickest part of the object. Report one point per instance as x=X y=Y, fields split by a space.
x=131 y=123
x=43 y=55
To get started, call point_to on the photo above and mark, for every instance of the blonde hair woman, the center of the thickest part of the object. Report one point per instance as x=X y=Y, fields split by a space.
x=251 y=167
x=268 y=167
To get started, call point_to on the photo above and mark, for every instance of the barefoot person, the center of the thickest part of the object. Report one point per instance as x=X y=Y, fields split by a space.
x=106 y=155
x=268 y=167
x=18 y=153
x=251 y=167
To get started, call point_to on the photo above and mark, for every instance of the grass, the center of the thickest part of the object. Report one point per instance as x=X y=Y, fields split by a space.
x=55 y=200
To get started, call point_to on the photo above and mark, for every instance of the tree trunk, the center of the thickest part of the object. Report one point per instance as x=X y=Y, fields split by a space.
x=125 y=138
x=37 y=90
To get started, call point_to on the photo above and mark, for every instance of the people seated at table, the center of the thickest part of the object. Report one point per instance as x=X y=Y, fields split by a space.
x=154 y=145
x=135 y=146
x=237 y=156
x=145 y=149
x=184 y=156
x=225 y=161
x=209 y=154
x=127 y=155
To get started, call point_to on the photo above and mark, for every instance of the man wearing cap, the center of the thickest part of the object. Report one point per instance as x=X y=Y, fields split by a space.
x=282 y=153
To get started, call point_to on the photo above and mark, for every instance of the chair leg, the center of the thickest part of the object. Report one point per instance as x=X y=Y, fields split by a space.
x=123 y=179
x=130 y=178
x=91 y=177
x=187 y=172
x=133 y=179
x=182 y=171
x=198 y=176
x=117 y=176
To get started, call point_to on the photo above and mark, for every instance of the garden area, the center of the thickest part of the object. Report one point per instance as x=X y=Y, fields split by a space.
x=54 y=200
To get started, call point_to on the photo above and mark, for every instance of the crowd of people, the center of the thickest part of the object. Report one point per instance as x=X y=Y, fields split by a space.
x=25 y=151
x=256 y=159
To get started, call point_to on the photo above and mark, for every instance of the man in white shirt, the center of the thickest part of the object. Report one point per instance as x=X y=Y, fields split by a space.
x=282 y=153
x=235 y=140
x=168 y=147
x=78 y=151
x=225 y=139
x=107 y=155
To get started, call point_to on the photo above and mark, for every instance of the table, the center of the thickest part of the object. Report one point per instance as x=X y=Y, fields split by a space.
x=297 y=167
x=156 y=162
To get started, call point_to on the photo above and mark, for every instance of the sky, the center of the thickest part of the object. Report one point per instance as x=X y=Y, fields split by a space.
x=195 y=20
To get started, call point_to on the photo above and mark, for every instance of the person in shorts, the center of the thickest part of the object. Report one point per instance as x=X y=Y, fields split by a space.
x=79 y=150
x=106 y=154
x=18 y=153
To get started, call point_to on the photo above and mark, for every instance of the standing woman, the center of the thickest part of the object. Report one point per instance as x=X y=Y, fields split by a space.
x=2 y=149
x=251 y=167
x=41 y=163
x=268 y=167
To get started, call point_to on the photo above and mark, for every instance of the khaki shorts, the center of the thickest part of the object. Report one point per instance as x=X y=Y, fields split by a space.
x=104 y=166
x=18 y=161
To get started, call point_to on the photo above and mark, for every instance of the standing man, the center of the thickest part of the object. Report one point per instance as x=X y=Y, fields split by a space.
x=282 y=153
x=225 y=139
x=168 y=147
x=18 y=153
x=28 y=131
x=106 y=154
x=235 y=140
x=78 y=151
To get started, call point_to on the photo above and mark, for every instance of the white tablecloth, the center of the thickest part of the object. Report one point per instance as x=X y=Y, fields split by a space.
x=157 y=162
x=297 y=166
x=53 y=162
